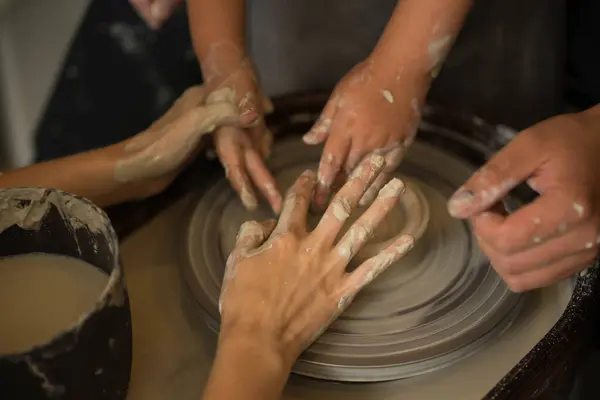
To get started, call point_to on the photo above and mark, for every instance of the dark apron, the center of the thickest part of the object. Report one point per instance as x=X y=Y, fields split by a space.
x=507 y=65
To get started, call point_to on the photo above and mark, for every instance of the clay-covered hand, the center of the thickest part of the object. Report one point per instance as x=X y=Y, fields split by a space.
x=243 y=151
x=285 y=285
x=556 y=235
x=162 y=150
x=155 y=12
x=368 y=113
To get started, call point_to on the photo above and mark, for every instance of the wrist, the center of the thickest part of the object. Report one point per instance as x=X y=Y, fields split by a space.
x=269 y=356
x=408 y=85
x=222 y=58
x=399 y=66
x=275 y=352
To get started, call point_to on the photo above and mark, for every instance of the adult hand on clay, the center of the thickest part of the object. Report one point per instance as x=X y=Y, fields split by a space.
x=286 y=285
x=166 y=147
x=243 y=151
x=557 y=234
x=368 y=113
x=155 y=12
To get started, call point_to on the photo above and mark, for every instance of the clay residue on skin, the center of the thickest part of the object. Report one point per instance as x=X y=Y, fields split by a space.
x=356 y=236
x=343 y=302
x=562 y=227
x=376 y=162
x=438 y=49
x=319 y=131
x=249 y=230
x=383 y=260
x=248 y=199
x=328 y=161
x=393 y=156
x=536 y=220
x=393 y=188
x=290 y=203
x=323 y=126
x=341 y=208
x=578 y=209
x=270 y=189
x=218 y=53
x=388 y=96
x=414 y=105
x=177 y=140
x=464 y=199
x=589 y=245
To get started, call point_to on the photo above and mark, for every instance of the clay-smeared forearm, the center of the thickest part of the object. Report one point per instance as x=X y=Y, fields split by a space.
x=141 y=166
x=90 y=175
x=419 y=36
x=218 y=30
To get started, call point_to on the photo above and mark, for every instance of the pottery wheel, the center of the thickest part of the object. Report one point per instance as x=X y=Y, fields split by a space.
x=439 y=304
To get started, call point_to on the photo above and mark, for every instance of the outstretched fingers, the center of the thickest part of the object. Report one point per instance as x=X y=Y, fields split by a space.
x=346 y=200
x=374 y=266
x=393 y=158
x=362 y=230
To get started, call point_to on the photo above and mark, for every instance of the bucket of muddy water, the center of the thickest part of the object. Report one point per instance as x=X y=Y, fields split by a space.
x=65 y=323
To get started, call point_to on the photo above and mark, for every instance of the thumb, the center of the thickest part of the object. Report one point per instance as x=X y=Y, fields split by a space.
x=509 y=167
x=253 y=234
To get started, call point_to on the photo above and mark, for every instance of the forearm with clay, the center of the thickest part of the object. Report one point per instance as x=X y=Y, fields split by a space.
x=414 y=45
x=218 y=30
x=219 y=37
x=141 y=166
x=418 y=37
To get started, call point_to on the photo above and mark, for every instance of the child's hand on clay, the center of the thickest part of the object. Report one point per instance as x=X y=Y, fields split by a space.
x=155 y=12
x=368 y=113
x=288 y=285
x=243 y=151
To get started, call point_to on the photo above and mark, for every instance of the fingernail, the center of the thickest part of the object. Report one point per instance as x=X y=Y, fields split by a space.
x=459 y=201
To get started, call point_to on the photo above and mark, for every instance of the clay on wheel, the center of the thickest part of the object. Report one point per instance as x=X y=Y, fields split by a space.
x=436 y=306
